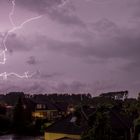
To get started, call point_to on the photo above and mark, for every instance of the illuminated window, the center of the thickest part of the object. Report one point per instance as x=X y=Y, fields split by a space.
x=39 y=106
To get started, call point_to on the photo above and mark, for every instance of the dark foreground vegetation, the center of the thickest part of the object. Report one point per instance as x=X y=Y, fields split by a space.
x=109 y=116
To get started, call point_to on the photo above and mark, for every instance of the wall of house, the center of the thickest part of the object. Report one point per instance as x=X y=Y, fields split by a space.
x=49 y=114
x=39 y=114
x=54 y=136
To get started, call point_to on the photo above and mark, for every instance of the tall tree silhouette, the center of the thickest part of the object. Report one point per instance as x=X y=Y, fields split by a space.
x=19 y=122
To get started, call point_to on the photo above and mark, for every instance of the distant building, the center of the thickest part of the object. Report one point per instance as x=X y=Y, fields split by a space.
x=64 y=108
x=44 y=110
x=118 y=95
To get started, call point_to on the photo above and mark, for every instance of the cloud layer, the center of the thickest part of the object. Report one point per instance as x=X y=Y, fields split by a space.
x=74 y=45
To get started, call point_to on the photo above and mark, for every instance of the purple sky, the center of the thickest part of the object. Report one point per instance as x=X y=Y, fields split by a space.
x=77 y=46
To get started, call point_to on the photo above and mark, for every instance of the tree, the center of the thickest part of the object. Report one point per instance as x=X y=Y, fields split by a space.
x=137 y=128
x=100 y=129
x=5 y=124
x=19 y=121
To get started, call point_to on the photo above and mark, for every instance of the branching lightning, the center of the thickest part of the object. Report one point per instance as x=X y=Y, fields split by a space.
x=5 y=75
x=14 y=28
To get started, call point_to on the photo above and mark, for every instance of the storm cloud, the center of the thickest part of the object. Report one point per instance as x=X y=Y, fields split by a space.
x=76 y=44
x=61 y=11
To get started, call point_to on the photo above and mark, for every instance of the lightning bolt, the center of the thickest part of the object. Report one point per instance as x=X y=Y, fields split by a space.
x=14 y=28
x=5 y=75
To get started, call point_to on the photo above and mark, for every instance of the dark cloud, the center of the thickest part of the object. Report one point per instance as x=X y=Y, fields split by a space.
x=105 y=25
x=55 y=9
x=135 y=6
x=18 y=43
x=32 y=60
x=42 y=75
x=101 y=43
x=35 y=87
x=39 y=86
x=73 y=87
x=66 y=15
x=40 y=6
x=131 y=70
x=52 y=75
x=72 y=48
x=111 y=41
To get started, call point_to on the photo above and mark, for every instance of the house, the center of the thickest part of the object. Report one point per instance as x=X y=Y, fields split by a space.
x=70 y=108
x=118 y=95
x=44 y=110
x=73 y=125
x=65 y=129
x=64 y=108
x=61 y=107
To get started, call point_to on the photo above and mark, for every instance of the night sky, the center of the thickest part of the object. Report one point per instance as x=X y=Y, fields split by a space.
x=77 y=46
